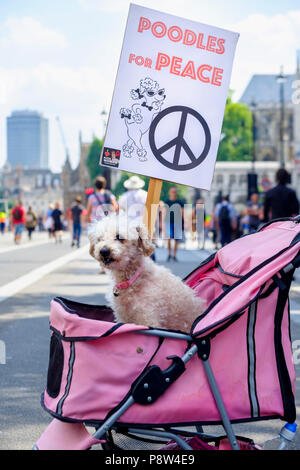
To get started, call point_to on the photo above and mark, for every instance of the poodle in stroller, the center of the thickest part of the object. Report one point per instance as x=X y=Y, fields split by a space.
x=145 y=383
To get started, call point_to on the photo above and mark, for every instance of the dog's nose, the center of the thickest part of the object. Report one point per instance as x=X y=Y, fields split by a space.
x=105 y=252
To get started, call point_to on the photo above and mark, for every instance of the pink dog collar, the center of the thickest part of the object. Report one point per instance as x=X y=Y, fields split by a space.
x=125 y=284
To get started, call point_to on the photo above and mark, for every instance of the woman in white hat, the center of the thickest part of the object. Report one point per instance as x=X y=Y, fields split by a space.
x=132 y=202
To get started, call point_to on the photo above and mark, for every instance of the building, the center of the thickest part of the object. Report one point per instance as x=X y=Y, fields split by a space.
x=27 y=139
x=275 y=104
x=276 y=115
x=76 y=181
x=35 y=187
x=230 y=178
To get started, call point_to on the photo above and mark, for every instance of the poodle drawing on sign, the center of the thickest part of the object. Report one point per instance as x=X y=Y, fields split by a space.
x=138 y=118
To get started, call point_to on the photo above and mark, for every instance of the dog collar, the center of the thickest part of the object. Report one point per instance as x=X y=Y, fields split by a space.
x=126 y=284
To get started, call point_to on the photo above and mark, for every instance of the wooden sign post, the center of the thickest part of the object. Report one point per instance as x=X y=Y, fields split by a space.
x=152 y=202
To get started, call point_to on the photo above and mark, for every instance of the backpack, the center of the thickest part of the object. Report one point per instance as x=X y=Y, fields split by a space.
x=29 y=218
x=224 y=215
x=17 y=214
x=107 y=200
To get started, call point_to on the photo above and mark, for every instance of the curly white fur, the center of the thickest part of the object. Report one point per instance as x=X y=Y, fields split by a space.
x=157 y=298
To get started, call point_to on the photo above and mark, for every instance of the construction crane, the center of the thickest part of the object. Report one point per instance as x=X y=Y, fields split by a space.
x=63 y=138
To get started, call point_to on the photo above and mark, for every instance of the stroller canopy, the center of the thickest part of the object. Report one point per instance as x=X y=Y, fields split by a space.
x=238 y=273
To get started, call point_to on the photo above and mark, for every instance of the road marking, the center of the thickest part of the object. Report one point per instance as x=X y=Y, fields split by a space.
x=29 y=245
x=35 y=275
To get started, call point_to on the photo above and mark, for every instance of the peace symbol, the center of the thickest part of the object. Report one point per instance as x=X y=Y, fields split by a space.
x=179 y=141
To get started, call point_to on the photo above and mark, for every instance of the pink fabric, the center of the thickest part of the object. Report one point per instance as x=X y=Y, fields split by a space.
x=103 y=374
x=198 y=444
x=242 y=255
x=256 y=248
x=66 y=436
x=105 y=367
x=72 y=325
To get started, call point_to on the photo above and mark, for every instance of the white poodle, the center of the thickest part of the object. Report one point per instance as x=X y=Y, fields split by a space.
x=142 y=291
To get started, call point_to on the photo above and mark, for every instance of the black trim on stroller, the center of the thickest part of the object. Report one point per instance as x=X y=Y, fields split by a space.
x=254 y=403
x=283 y=374
x=230 y=288
x=69 y=378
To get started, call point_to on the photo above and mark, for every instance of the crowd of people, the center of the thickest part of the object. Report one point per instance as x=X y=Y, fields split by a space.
x=223 y=225
x=227 y=224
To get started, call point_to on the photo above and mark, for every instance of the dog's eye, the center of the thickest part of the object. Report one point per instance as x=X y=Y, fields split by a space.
x=150 y=93
x=119 y=238
x=161 y=92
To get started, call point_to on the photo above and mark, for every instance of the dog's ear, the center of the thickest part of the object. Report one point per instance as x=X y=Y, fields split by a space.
x=92 y=250
x=144 y=241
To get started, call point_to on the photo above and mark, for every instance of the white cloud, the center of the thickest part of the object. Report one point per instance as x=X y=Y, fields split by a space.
x=266 y=43
x=187 y=8
x=103 y=5
x=37 y=71
x=28 y=32
x=76 y=94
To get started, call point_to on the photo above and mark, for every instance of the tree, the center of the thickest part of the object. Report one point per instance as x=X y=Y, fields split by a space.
x=92 y=161
x=119 y=189
x=181 y=190
x=236 y=137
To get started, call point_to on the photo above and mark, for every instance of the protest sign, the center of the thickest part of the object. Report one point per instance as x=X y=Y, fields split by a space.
x=170 y=93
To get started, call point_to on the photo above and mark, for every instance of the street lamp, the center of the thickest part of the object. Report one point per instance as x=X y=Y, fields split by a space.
x=106 y=172
x=281 y=79
x=252 y=176
x=104 y=114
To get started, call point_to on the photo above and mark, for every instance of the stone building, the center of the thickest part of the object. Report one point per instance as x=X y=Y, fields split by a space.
x=76 y=181
x=276 y=140
x=276 y=116
x=230 y=178
x=35 y=187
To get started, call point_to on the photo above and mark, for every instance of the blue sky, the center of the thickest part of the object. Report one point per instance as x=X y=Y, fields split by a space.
x=60 y=56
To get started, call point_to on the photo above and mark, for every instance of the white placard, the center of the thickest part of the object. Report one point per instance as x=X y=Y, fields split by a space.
x=170 y=93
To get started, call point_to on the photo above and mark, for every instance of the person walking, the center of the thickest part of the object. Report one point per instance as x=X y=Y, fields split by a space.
x=48 y=221
x=2 y=221
x=280 y=201
x=198 y=227
x=174 y=222
x=101 y=202
x=226 y=220
x=132 y=202
x=254 y=212
x=40 y=224
x=17 y=221
x=77 y=213
x=30 y=221
x=57 y=223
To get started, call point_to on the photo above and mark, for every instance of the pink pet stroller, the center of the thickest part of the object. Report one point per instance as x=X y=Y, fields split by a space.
x=235 y=365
